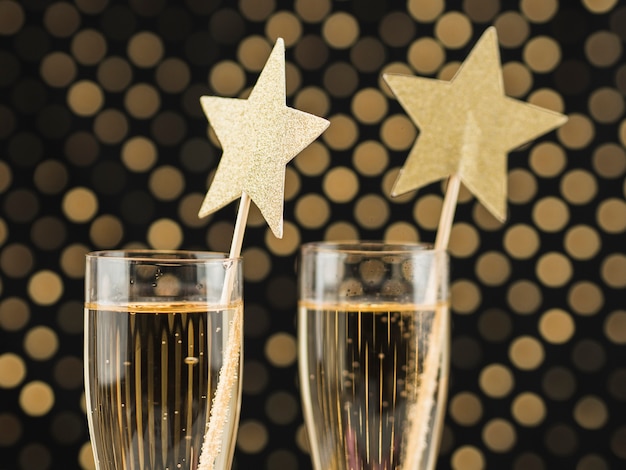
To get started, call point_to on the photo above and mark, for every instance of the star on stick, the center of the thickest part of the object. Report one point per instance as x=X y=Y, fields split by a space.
x=259 y=136
x=467 y=126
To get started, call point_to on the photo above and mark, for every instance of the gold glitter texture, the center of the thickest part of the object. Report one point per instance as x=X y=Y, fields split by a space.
x=467 y=126
x=259 y=137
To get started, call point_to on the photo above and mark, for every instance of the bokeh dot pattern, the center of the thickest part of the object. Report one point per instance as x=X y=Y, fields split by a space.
x=104 y=145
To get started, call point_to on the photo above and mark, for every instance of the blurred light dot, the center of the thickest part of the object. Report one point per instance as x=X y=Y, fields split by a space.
x=512 y=28
x=58 y=69
x=312 y=11
x=547 y=98
x=466 y=409
x=603 y=48
x=606 y=105
x=368 y=54
x=528 y=409
x=539 y=11
x=73 y=260
x=252 y=437
x=341 y=231
x=371 y=211
x=609 y=160
x=341 y=79
x=369 y=106
x=464 y=240
x=342 y=133
x=88 y=47
x=493 y=268
x=142 y=101
x=45 y=287
x=85 y=98
x=468 y=458
x=427 y=210
x=426 y=55
x=286 y=25
x=61 y=19
x=613 y=271
x=611 y=215
x=10 y=429
x=577 y=132
x=592 y=462
x=340 y=30
x=542 y=54
x=398 y=132
x=524 y=297
x=340 y=184
x=496 y=381
x=106 y=231
x=599 y=6
x=16 y=260
x=188 y=210
x=517 y=79
x=14 y=314
x=425 y=11
x=401 y=232
x=465 y=296
x=281 y=407
x=288 y=244
x=252 y=52
x=36 y=398
x=589 y=355
x=165 y=234
x=582 y=242
x=521 y=241
x=12 y=370
x=114 y=74
x=370 y=158
x=453 y=29
x=258 y=266
x=396 y=29
x=145 y=49
x=547 y=159
x=522 y=186
x=227 y=78
x=139 y=154
x=312 y=100
x=499 y=435
x=166 y=183
x=550 y=214
x=485 y=219
x=257 y=10
x=590 y=412
x=615 y=327
x=312 y=211
x=556 y=326
x=554 y=269
x=280 y=349
x=80 y=205
x=585 y=298
x=559 y=383
x=41 y=343
x=173 y=75
x=495 y=325
x=111 y=125
x=578 y=186
x=526 y=353
x=481 y=11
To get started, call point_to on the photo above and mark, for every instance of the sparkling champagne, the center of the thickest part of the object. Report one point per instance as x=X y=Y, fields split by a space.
x=152 y=372
x=360 y=374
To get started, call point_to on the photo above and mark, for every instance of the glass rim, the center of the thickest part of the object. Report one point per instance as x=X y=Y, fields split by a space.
x=160 y=256
x=369 y=246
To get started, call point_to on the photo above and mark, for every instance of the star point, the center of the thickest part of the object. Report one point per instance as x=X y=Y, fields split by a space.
x=259 y=136
x=467 y=126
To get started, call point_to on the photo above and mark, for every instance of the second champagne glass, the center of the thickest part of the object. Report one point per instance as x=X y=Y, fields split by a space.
x=373 y=342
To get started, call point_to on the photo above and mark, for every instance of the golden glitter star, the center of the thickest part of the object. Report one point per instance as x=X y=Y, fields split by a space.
x=467 y=126
x=259 y=136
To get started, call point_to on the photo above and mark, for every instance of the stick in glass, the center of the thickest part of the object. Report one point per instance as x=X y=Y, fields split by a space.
x=467 y=127
x=259 y=136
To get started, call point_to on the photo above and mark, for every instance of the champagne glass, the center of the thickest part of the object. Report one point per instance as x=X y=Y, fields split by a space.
x=373 y=339
x=162 y=336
